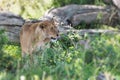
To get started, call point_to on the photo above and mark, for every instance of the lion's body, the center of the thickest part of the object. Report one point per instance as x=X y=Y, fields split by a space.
x=35 y=35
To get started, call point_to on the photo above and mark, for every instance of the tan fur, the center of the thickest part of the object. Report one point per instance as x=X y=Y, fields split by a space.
x=35 y=35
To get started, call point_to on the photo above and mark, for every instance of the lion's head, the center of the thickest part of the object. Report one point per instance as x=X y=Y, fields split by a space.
x=48 y=29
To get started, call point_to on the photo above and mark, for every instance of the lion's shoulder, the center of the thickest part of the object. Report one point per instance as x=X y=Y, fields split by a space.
x=29 y=26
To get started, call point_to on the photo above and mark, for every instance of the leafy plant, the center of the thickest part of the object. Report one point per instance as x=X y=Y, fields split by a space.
x=8 y=53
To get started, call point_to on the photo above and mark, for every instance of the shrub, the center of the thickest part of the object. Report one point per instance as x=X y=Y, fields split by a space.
x=8 y=53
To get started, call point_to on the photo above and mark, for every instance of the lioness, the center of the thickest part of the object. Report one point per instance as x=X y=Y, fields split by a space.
x=35 y=35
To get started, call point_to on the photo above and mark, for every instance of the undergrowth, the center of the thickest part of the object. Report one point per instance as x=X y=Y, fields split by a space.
x=66 y=59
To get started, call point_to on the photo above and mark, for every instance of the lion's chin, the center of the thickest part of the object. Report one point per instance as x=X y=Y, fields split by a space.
x=54 y=40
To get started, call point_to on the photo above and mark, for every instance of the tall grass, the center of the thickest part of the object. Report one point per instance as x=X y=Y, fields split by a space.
x=67 y=59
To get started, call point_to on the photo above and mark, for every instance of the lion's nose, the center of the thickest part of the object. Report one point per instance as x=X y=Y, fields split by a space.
x=53 y=38
x=57 y=35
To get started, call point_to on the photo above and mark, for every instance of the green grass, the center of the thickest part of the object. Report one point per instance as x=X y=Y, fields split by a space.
x=64 y=60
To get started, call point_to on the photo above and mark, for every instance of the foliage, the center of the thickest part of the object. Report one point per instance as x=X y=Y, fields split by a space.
x=58 y=3
x=67 y=59
x=3 y=40
x=27 y=8
x=34 y=9
x=8 y=53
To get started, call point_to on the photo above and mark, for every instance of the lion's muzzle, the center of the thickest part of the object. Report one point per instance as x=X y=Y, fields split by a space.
x=54 y=39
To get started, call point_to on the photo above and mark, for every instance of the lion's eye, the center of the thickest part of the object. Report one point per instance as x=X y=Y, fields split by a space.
x=52 y=28
x=42 y=26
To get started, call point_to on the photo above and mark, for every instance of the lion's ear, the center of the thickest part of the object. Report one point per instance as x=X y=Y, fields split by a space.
x=53 y=19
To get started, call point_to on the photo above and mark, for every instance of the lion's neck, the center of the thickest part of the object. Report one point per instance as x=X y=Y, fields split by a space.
x=40 y=41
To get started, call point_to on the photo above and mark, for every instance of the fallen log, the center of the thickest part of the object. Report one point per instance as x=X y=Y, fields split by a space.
x=76 y=14
x=11 y=23
x=10 y=19
x=92 y=31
